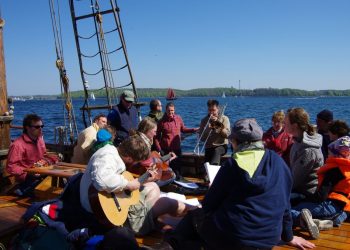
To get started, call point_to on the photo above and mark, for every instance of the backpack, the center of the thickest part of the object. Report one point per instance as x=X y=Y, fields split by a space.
x=38 y=237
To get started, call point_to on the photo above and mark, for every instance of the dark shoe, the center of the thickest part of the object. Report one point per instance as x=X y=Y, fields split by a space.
x=312 y=228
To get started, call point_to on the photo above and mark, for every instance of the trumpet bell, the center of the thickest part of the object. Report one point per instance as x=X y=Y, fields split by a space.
x=216 y=125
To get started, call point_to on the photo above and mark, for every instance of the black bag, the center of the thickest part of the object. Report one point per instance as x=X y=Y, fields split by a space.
x=38 y=237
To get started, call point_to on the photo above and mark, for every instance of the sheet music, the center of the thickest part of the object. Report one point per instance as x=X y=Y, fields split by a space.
x=181 y=197
x=211 y=170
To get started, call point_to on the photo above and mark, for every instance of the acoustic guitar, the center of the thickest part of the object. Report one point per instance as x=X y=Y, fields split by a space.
x=111 y=209
x=160 y=163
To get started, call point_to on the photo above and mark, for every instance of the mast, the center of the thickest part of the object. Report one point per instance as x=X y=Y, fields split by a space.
x=5 y=118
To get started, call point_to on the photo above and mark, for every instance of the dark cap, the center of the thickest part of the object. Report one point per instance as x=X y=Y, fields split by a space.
x=325 y=115
x=246 y=130
x=128 y=95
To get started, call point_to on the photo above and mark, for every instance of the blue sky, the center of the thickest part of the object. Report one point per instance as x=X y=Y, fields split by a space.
x=189 y=44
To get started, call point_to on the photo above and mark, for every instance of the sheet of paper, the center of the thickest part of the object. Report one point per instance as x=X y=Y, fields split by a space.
x=212 y=170
x=182 y=198
x=175 y=196
x=193 y=202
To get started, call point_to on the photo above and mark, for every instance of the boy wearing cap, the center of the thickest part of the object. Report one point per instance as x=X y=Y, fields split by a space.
x=324 y=118
x=247 y=206
x=333 y=193
x=123 y=117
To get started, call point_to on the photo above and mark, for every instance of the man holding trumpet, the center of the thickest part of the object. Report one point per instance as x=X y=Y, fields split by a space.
x=214 y=131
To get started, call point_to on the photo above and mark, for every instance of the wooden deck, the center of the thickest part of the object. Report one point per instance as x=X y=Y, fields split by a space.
x=11 y=211
x=337 y=238
x=12 y=208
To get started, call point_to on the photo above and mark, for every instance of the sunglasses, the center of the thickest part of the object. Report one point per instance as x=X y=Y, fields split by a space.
x=37 y=126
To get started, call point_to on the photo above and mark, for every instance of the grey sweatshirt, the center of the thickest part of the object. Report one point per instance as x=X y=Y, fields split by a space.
x=305 y=159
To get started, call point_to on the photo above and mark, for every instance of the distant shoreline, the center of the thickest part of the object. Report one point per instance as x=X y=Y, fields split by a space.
x=203 y=92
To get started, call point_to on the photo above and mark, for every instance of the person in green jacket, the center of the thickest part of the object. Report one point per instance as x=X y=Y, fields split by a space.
x=155 y=112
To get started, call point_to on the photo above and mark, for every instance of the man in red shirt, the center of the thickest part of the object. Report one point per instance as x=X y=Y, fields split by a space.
x=170 y=127
x=168 y=138
x=27 y=151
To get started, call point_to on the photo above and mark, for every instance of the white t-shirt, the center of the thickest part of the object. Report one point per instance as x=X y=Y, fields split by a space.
x=104 y=172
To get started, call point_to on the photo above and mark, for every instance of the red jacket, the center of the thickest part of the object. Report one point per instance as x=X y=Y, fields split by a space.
x=341 y=190
x=280 y=144
x=168 y=136
x=23 y=153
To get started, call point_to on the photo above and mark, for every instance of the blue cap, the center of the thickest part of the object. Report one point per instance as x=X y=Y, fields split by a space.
x=103 y=135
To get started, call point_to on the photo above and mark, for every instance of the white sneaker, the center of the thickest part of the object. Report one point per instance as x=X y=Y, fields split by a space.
x=323 y=224
x=309 y=223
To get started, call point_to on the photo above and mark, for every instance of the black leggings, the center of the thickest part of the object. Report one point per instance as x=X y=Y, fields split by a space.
x=213 y=155
x=197 y=231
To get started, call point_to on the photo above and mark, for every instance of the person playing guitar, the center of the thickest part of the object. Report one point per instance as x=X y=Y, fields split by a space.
x=105 y=173
x=147 y=130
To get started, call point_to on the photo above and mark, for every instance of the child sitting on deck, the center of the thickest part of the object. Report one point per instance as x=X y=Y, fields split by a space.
x=333 y=193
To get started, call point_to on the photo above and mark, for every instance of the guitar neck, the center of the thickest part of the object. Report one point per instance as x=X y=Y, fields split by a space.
x=165 y=157
x=144 y=177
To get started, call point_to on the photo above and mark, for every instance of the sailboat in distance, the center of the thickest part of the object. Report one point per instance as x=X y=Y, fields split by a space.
x=170 y=96
x=92 y=96
x=223 y=95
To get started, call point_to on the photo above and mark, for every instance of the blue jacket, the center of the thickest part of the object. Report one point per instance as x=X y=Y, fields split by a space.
x=123 y=120
x=252 y=211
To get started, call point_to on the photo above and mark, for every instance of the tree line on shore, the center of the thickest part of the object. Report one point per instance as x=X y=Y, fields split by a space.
x=202 y=92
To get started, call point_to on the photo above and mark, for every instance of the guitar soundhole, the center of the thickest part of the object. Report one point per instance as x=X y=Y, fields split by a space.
x=127 y=192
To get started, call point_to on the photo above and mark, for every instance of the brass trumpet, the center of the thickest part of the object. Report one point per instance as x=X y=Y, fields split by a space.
x=216 y=125
x=213 y=125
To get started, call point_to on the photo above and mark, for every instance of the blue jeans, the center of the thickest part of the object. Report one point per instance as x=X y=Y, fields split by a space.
x=326 y=210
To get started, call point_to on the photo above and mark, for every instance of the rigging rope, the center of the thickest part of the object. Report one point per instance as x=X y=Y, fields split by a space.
x=97 y=13
x=69 y=116
x=99 y=52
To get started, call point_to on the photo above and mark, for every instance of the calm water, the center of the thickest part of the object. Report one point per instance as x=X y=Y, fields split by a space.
x=191 y=110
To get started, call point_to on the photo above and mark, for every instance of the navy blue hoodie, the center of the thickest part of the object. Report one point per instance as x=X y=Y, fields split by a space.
x=123 y=120
x=252 y=211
